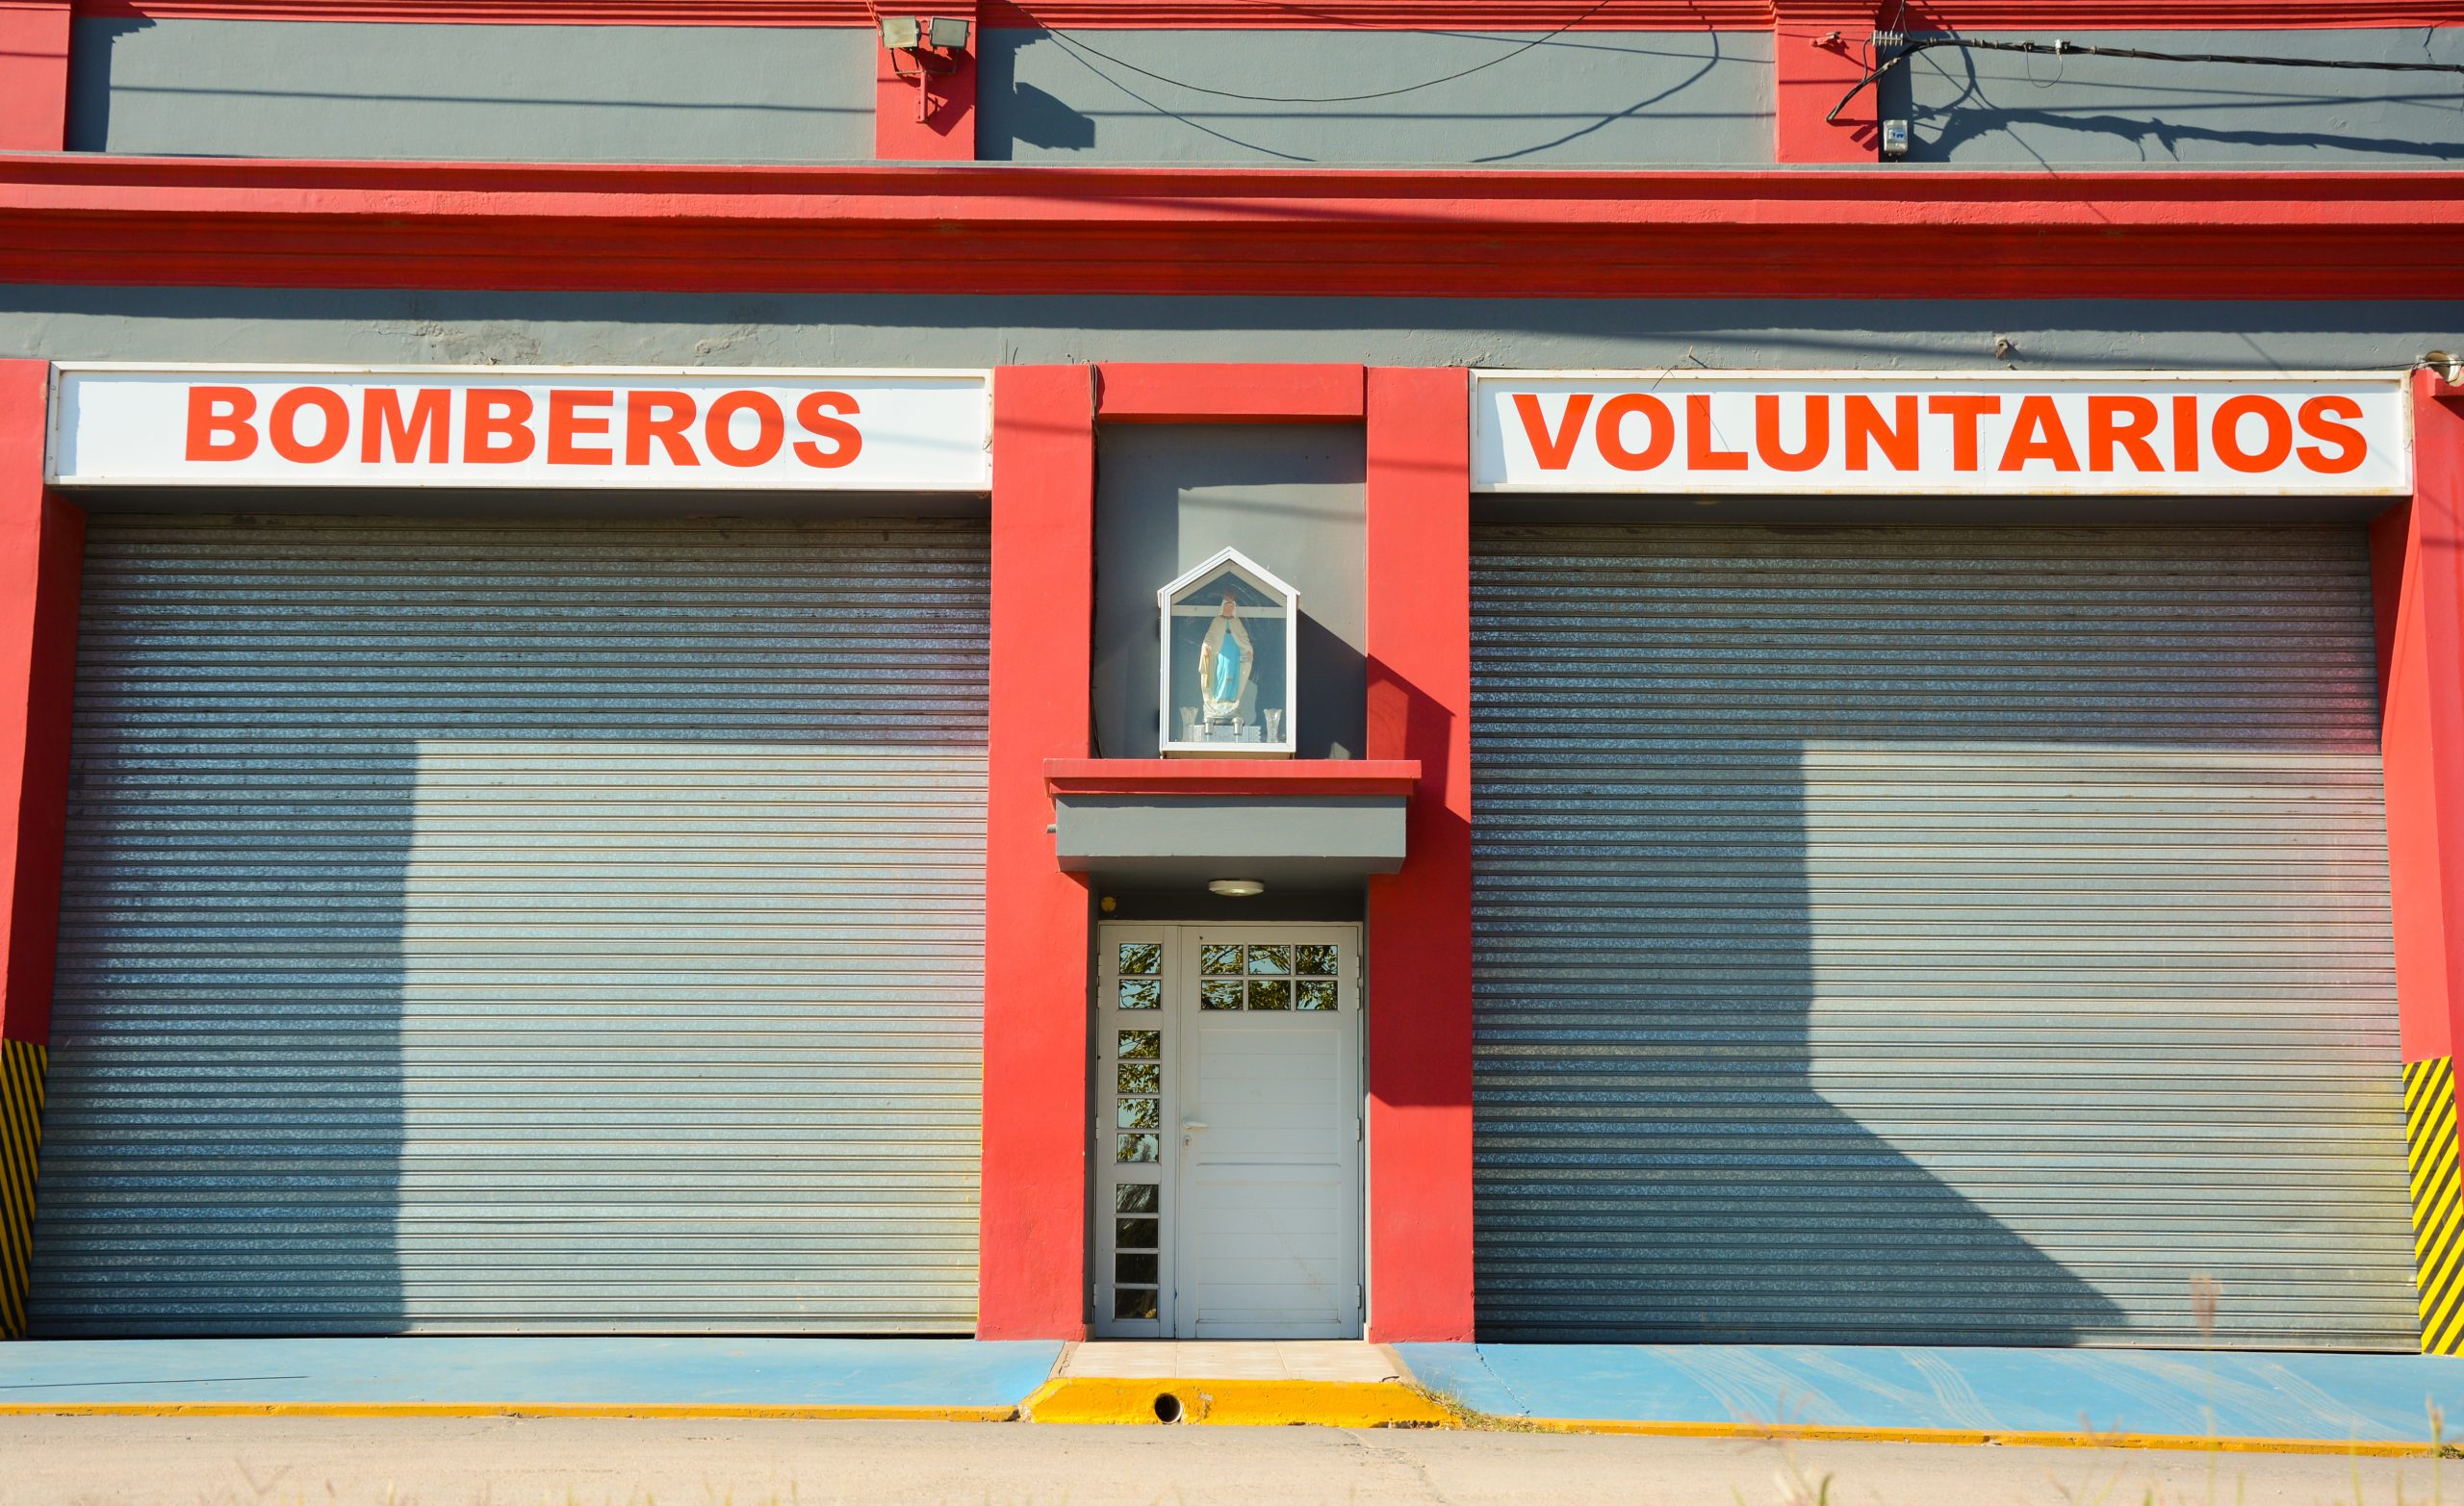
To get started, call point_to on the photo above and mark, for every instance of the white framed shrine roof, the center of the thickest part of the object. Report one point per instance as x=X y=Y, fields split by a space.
x=1257 y=576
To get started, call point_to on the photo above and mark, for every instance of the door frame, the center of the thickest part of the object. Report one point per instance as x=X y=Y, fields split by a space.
x=1179 y=941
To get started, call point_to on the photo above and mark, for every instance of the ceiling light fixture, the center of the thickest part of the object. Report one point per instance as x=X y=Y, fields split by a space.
x=1236 y=888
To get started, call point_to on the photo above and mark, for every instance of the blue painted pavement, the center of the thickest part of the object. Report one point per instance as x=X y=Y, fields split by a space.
x=622 y=1371
x=2332 y=1397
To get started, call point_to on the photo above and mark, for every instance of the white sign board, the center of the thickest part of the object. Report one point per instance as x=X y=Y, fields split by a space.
x=521 y=427
x=2011 y=433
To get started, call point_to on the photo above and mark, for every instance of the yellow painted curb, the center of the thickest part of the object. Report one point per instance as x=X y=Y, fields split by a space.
x=2368 y=1449
x=507 y=1409
x=1104 y=1398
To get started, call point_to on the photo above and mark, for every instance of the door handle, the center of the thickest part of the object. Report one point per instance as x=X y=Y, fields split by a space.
x=1192 y=1125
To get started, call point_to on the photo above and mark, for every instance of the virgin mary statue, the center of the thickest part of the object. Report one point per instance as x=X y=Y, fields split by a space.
x=1225 y=661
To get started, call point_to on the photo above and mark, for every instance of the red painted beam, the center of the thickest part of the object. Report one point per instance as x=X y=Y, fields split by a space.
x=1230 y=393
x=1509 y=15
x=34 y=75
x=42 y=542
x=89 y=219
x=1419 y=918
x=1167 y=776
x=1033 y=1221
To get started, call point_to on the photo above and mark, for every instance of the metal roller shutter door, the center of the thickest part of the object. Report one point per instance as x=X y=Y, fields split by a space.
x=505 y=926
x=1934 y=936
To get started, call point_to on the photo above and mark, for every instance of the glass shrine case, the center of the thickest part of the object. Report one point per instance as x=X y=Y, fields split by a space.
x=1230 y=661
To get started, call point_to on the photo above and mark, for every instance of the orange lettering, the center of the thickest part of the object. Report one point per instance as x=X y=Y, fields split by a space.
x=662 y=416
x=770 y=428
x=2124 y=424
x=1964 y=409
x=564 y=424
x=846 y=441
x=496 y=426
x=218 y=427
x=1865 y=428
x=282 y=424
x=2224 y=435
x=1766 y=433
x=1553 y=449
x=2038 y=434
x=2186 y=434
x=383 y=423
x=2319 y=418
x=1699 y=453
x=1660 y=429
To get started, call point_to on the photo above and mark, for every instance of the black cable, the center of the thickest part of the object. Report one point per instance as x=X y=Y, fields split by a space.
x=1074 y=41
x=1900 y=48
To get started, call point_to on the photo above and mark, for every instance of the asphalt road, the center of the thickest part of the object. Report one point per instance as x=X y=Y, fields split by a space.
x=512 y=1461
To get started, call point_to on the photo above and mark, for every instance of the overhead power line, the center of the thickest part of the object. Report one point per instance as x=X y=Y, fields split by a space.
x=1897 y=47
x=1078 y=41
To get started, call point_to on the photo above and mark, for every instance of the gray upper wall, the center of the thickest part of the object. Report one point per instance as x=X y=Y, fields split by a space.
x=1970 y=108
x=1583 y=99
x=479 y=93
x=897 y=330
x=1291 y=496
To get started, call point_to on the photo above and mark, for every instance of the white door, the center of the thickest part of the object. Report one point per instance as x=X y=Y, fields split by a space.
x=1229 y=1133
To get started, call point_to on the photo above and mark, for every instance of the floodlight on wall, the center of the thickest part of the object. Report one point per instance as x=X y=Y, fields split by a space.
x=920 y=46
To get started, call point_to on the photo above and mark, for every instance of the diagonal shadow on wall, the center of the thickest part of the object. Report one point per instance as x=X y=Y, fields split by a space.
x=1932 y=936
x=512 y=924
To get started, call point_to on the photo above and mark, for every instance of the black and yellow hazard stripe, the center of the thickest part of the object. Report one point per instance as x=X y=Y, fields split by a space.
x=21 y=1070
x=2438 y=1212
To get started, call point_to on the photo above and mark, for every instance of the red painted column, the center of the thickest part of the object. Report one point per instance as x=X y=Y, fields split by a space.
x=1419 y=919
x=1033 y=1214
x=2417 y=569
x=42 y=543
x=945 y=131
x=34 y=75
x=2418 y=562
x=1815 y=45
x=41 y=556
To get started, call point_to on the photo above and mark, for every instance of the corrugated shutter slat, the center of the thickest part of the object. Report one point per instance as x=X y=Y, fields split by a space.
x=520 y=926
x=1933 y=935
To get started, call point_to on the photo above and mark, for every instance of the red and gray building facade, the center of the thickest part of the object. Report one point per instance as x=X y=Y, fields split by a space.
x=1878 y=745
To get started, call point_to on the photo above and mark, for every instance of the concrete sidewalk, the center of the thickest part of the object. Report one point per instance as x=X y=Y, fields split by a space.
x=2328 y=1403
x=2373 y=1403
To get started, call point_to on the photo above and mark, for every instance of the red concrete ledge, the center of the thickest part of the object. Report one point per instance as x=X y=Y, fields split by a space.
x=1677 y=15
x=1133 y=392
x=1166 y=777
x=91 y=219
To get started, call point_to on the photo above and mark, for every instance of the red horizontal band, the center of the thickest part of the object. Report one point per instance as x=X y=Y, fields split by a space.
x=1141 y=393
x=1167 y=776
x=1513 y=15
x=188 y=222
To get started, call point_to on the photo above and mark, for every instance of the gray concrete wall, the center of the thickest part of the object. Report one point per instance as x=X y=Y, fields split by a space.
x=1289 y=496
x=669 y=93
x=2003 y=110
x=1580 y=99
x=539 y=93
x=1188 y=841
x=724 y=330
